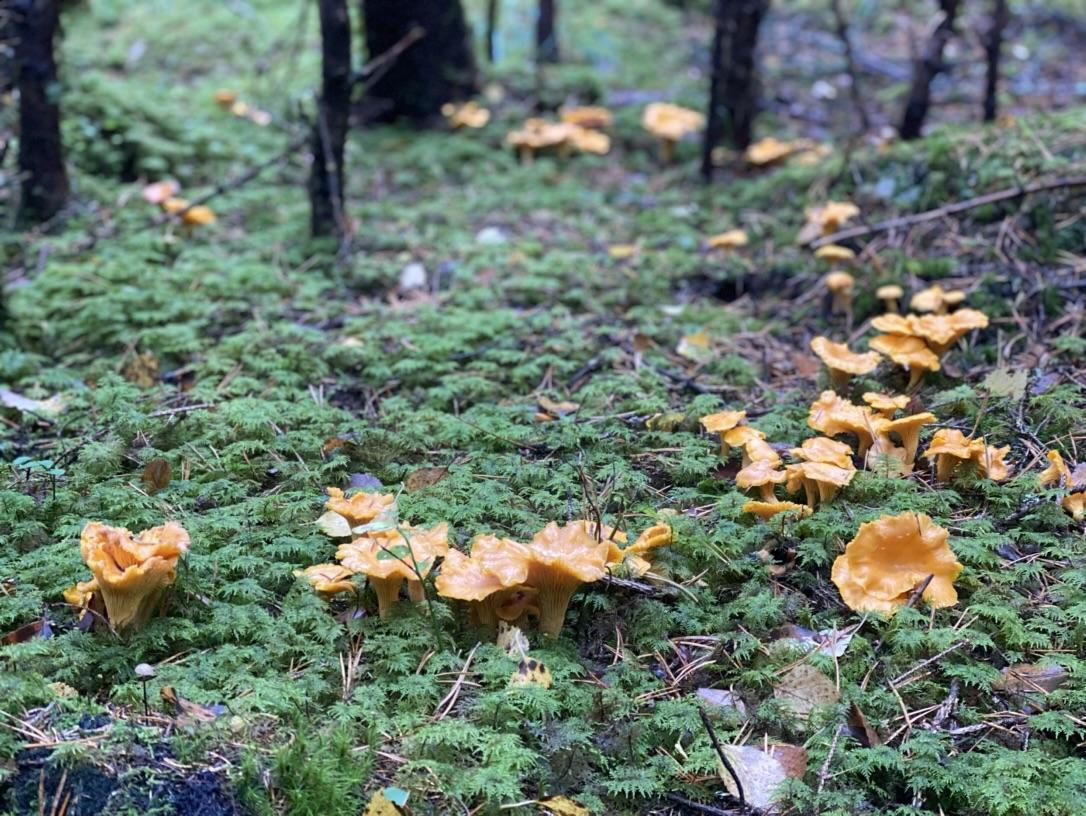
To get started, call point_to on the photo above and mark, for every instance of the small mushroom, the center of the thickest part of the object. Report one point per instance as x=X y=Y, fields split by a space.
x=824 y=449
x=826 y=219
x=907 y=429
x=198 y=215
x=390 y=557
x=538 y=134
x=174 y=205
x=729 y=239
x=225 y=97
x=721 y=422
x=911 y=353
x=756 y=449
x=159 y=191
x=739 y=436
x=670 y=123
x=469 y=114
x=766 y=510
x=835 y=254
x=327 y=580
x=491 y=580
x=761 y=474
x=832 y=415
x=361 y=508
x=889 y=557
x=1075 y=504
x=132 y=572
x=885 y=404
x=768 y=151
x=593 y=117
x=1057 y=473
x=632 y=561
x=943 y=331
x=890 y=459
x=586 y=140
x=890 y=295
x=841 y=362
x=560 y=559
x=820 y=481
x=951 y=448
x=840 y=285
x=935 y=299
x=990 y=460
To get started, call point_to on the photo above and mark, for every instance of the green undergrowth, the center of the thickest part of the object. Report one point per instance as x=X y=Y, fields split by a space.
x=269 y=350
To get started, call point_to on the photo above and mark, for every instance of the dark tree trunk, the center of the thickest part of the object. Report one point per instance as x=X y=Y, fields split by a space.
x=326 y=178
x=491 y=29
x=546 y=33
x=841 y=24
x=41 y=159
x=733 y=87
x=437 y=69
x=993 y=45
x=925 y=69
x=714 y=120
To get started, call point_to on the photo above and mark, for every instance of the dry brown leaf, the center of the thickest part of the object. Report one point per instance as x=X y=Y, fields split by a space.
x=1022 y=678
x=157 y=475
x=142 y=370
x=803 y=688
x=423 y=478
x=869 y=736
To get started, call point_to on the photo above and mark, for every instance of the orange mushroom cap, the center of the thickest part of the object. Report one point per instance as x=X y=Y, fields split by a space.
x=911 y=353
x=832 y=415
x=894 y=324
x=824 y=449
x=722 y=421
x=469 y=114
x=757 y=449
x=594 y=117
x=991 y=461
x=389 y=557
x=729 y=239
x=935 y=299
x=884 y=403
x=631 y=560
x=950 y=448
x=889 y=557
x=560 y=559
x=491 y=579
x=760 y=473
x=198 y=215
x=890 y=294
x=943 y=331
x=766 y=510
x=769 y=151
x=172 y=205
x=671 y=122
x=1075 y=504
x=361 y=508
x=884 y=448
x=132 y=572
x=1057 y=472
x=907 y=429
x=835 y=253
x=586 y=140
x=820 y=480
x=843 y=363
x=740 y=435
x=839 y=282
x=327 y=579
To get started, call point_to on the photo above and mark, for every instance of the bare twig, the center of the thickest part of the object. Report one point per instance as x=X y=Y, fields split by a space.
x=722 y=756
x=1009 y=194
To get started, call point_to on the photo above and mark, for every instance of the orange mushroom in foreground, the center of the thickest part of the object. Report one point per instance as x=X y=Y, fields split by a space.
x=491 y=580
x=843 y=363
x=890 y=557
x=560 y=559
x=390 y=557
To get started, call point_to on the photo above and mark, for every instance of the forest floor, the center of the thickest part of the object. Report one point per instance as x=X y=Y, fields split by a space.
x=264 y=367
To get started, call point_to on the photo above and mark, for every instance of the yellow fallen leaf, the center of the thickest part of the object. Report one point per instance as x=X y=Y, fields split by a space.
x=334 y=525
x=804 y=688
x=696 y=346
x=621 y=252
x=562 y=806
x=380 y=805
x=531 y=672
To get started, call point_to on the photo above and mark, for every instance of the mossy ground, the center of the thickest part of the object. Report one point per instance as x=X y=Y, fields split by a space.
x=269 y=347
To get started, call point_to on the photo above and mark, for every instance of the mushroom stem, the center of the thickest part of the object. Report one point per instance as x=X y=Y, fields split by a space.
x=842 y=303
x=945 y=465
x=387 y=591
x=839 y=379
x=891 y=305
x=553 y=601
x=767 y=492
x=416 y=592
x=826 y=492
x=809 y=490
x=916 y=374
x=667 y=150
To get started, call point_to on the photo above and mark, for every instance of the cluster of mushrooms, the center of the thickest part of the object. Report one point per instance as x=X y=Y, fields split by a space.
x=500 y=579
x=165 y=195
x=131 y=573
x=579 y=130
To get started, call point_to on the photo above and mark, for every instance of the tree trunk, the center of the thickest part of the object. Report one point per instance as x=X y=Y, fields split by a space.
x=491 y=30
x=437 y=69
x=993 y=45
x=713 y=118
x=546 y=34
x=41 y=159
x=925 y=69
x=733 y=87
x=326 y=179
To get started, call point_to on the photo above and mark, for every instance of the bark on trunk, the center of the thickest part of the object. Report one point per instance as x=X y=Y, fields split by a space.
x=492 y=30
x=993 y=45
x=437 y=69
x=926 y=68
x=326 y=180
x=546 y=34
x=41 y=158
x=733 y=87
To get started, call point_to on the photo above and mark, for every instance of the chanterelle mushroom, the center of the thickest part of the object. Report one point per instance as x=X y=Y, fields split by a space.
x=469 y=114
x=593 y=117
x=389 y=557
x=492 y=579
x=327 y=579
x=832 y=415
x=820 y=480
x=560 y=559
x=631 y=561
x=766 y=510
x=885 y=404
x=951 y=448
x=824 y=449
x=361 y=508
x=729 y=239
x=670 y=123
x=840 y=285
x=890 y=295
x=907 y=429
x=1057 y=473
x=935 y=299
x=943 y=331
x=132 y=572
x=835 y=254
x=843 y=363
x=911 y=353
x=990 y=460
x=889 y=557
x=761 y=474
x=722 y=422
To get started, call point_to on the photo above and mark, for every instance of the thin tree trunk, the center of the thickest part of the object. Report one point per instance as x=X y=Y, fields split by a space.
x=546 y=33
x=492 y=8
x=925 y=69
x=741 y=81
x=439 y=68
x=841 y=24
x=41 y=158
x=714 y=121
x=326 y=181
x=993 y=46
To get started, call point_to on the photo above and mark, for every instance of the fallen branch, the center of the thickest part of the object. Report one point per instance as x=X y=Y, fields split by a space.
x=1009 y=194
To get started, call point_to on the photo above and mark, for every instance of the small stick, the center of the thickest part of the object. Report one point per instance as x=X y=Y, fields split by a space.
x=951 y=209
x=723 y=758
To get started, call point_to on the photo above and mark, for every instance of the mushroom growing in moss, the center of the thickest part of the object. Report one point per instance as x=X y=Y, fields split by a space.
x=729 y=239
x=832 y=415
x=943 y=331
x=950 y=448
x=890 y=557
x=491 y=580
x=1075 y=504
x=631 y=560
x=843 y=363
x=132 y=572
x=720 y=423
x=890 y=295
x=824 y=449
x=840 y=285
x=886 y=404
x=670 y=123
x=821 y=481
x=560 y=559
x=766 y=510
x=1057 y=473
x=935 y=299
x=907 y=429
x=835 y=254
x=911 y=353
x=469 y=115
x=327 y=580
x=991 y=461
x=390 y=557
x=594 y=117
x=361 y=508
x=761 y=474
